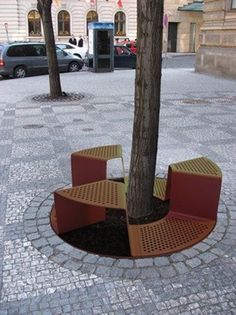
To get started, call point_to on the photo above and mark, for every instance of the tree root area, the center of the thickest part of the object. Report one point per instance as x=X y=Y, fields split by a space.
x=110 y=237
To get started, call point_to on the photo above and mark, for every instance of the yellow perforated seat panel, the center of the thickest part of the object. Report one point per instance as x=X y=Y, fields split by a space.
x=159 y=189
x=107 y=194
x=200 y=166
x=102 y=153
x=166 y=236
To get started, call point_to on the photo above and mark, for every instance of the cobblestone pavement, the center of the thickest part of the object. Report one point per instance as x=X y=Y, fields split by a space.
x=42 y=275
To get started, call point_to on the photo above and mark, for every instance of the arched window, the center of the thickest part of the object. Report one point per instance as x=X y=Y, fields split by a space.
x=63 y=23
x=34 y=23
x=120 y=24
x=92 y=16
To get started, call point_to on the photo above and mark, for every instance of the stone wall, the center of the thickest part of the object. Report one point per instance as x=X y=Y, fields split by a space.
x=217 y=52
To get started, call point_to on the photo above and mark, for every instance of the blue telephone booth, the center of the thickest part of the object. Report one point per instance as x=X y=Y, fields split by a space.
x=101 y=47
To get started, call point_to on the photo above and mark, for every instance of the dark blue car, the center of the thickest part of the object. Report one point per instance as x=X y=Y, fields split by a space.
x=123 y=58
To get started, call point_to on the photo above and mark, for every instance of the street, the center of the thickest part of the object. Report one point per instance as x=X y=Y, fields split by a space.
x=178 y=61
x=169 y=61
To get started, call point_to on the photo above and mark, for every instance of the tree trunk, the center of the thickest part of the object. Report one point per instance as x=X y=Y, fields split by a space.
x=44 y=8
x=147 y=108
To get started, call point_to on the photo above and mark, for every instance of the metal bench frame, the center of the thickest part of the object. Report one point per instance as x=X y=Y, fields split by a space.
x=193 y=187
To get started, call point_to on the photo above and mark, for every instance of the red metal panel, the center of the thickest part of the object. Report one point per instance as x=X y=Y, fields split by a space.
x=195 y=196
x=87 y=170
x=71 y=215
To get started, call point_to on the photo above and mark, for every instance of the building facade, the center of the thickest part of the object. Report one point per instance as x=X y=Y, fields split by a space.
x=217 y=52
x=19 y=20
x=184 y=22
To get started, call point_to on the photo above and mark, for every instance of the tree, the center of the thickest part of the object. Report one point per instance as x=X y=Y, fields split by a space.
x=44 y=8
x=147 y=107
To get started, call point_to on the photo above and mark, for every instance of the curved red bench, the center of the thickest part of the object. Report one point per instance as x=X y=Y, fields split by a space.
x=193 y=187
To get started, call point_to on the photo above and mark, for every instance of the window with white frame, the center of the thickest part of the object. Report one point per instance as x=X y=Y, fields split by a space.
x=63 y=23
x=92 y=16
x=34 y=23
x=120 y=24
x=233 y=4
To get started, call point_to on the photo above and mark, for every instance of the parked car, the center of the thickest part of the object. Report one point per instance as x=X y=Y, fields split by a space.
x=28 y=58
x=123 y=58
x=73 y=49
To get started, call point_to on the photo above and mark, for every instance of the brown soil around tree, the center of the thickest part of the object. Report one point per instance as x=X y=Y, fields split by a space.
x=110 y=237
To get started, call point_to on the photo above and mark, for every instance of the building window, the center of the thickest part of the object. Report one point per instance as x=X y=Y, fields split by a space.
x=34 y=23
x=63 y=23
x=92 y=16
x=233 y=5
x=120 y=24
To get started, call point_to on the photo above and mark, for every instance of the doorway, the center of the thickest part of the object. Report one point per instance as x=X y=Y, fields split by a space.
x=192 y=39
x=172 y=37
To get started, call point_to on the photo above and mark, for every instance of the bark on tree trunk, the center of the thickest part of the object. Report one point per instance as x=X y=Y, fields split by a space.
x=44 y=8
x=147 y=108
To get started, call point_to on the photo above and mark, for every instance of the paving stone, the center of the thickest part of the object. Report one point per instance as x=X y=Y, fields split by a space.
x=60 y=258
x=201 y=247
x=47 y=250
x=76 y=253
x=72 y=264
x=207 y=257
x=55 y=240
x=149 y=272
x=167 y=271
x=87 y=268
x=146 y=262
x=107 y=261
x=181 y=267
x=177 y=257
x=90 y=258
x=103 y=271
x=132 y=273
x=116 y=272
x=125 y=263
x=194 y=262
x=190 y=253
x=33 y=236
x=65 y=248
x=217 y=251
x=161 y=261
x=39 y=243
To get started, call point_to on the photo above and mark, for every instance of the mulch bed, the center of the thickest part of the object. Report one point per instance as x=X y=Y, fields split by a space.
x=110 y=237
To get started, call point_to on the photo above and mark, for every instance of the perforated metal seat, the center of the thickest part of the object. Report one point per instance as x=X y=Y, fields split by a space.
x=168 y=235
x=195 y=188
x=160 y=188
x=104 y=153
x=86 y=204
x=201 y=166
x=106 y=193
x=90 y=165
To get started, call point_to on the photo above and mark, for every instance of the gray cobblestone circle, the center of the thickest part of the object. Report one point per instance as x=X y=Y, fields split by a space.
x=40 y=233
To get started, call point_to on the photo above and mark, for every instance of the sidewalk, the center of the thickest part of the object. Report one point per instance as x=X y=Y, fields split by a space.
x=42 y=275
x=174 y=55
